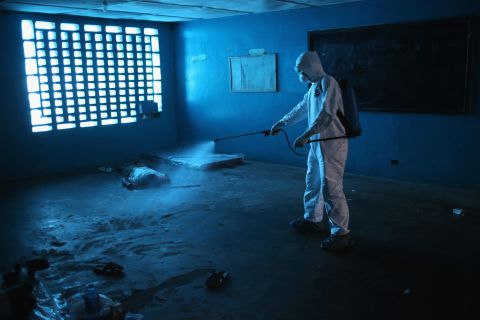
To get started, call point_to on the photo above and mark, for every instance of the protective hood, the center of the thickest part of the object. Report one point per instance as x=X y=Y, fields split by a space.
x=309 y=63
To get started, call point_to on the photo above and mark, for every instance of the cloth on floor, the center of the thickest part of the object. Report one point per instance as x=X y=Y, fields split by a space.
x=138 y=176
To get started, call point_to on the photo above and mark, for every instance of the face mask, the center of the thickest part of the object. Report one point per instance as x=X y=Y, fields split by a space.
x=302 y=77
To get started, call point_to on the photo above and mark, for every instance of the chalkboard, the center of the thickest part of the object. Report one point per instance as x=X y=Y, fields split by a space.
x=411 y=67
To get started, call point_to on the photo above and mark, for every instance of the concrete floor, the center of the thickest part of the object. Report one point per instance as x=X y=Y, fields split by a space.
x=413 y=258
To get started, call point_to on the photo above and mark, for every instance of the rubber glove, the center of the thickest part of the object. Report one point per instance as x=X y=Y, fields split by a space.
x=277 y=127
x=301 y=141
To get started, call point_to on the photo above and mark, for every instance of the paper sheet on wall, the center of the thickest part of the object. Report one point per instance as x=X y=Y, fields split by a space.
x=253 y=73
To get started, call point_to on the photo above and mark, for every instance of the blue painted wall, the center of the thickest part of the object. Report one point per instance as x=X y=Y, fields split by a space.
x=440 y=149
x=25 y=154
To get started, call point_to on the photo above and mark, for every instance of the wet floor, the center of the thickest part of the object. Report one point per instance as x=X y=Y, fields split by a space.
x=413 y=258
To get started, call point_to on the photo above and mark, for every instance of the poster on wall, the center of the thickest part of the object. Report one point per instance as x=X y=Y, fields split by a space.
x=253 y=73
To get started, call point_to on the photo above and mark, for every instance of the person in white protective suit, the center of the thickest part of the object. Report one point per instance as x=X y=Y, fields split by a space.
x=326 y=208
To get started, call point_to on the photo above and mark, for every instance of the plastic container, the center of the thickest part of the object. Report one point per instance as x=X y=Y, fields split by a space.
x=92 y=299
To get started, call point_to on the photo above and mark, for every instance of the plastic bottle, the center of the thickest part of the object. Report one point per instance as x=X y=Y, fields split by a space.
x=92 y=299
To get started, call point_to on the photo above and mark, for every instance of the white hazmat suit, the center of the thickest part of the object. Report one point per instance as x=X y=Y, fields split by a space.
x=324 y=197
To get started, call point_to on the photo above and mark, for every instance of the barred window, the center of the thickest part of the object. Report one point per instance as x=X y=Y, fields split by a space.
x=89 y=75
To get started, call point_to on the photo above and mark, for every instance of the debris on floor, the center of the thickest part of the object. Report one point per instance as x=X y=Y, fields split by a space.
x=57 y=243
x=111 y=269
x=166 y=272
x=133 y=316
x=138 y=175
x=24 y=295
x=457 y=211
x=105 y=169
x=217 y=280
x=199 y=162
x=80 y=306
x=17 y=290
x=93 y=305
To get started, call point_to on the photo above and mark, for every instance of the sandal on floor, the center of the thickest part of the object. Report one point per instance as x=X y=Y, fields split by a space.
x=109 y=269
x=217 y=279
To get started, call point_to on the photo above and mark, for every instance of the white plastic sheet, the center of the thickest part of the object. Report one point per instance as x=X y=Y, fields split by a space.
x=253 y=73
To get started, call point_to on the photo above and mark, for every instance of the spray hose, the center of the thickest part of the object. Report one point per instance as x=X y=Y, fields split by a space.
x=267 y=133
x=290 y=145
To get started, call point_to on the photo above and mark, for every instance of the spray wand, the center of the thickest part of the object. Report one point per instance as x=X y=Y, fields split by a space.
x=266 y=133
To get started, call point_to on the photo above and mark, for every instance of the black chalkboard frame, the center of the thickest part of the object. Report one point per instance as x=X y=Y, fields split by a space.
x=464 y=105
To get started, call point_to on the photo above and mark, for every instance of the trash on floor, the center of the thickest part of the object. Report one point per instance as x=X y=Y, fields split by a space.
x=109 y=269
x=80 y=306
x=199 y=162
x=457 y=211
x=105 y=169
x=137 y=176
x=57 y=243
x=93 y=305
x=17 y=298
x=24 y=295
x=133 y=316
x=217 y=279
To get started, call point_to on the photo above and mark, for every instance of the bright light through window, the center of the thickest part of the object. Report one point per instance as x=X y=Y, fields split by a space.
x=81 y=76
